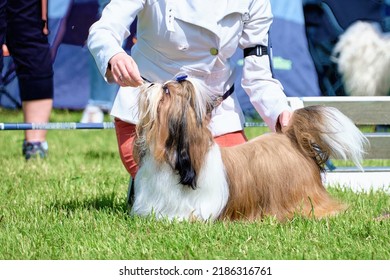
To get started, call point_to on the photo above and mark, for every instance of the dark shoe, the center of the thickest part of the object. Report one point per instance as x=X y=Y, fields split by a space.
x=35 y=149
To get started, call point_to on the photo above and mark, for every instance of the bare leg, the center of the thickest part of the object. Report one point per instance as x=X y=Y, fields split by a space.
x=37 y=111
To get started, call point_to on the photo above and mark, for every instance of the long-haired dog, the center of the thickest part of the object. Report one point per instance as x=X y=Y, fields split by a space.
x=183 y=174
x=363 y=59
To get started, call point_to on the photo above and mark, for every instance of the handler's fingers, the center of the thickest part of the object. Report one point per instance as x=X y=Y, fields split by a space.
x=119 y=73
x=284 y=118
x=125 y=71
x=129 y=73
x=134 y=75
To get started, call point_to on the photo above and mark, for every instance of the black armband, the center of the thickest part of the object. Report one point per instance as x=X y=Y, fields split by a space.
x=258 y=50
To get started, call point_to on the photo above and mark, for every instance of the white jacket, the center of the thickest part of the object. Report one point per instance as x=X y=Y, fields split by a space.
x=195 y=37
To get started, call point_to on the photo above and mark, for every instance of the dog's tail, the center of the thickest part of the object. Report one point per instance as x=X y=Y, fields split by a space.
x=321 y=132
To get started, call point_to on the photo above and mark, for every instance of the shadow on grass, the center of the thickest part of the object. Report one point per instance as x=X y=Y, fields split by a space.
x=94 y=154
x=107 y=202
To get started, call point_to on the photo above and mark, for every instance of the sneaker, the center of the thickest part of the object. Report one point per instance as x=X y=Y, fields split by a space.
x=92 y=114
x=35 y=149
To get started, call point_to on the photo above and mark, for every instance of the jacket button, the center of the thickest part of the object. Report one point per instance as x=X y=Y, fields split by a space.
x=214 y=51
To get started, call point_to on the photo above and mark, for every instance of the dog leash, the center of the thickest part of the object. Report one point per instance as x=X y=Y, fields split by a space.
x=220 y=99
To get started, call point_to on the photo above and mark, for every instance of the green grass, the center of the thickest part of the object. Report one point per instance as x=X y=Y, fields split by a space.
x=72 y=206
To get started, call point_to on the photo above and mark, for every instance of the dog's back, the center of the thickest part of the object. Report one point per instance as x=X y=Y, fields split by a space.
x=279 y=174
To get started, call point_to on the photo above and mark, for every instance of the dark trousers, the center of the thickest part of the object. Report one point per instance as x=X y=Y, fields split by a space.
x=21 y=29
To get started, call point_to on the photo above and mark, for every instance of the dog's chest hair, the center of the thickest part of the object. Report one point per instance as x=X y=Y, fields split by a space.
x=158 y=192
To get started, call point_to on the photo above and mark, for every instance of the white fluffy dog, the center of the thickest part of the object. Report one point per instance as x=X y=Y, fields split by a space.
x=363 y=57
x=183 y=174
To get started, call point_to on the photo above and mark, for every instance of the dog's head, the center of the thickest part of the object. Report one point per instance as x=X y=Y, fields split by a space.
x=173 y=120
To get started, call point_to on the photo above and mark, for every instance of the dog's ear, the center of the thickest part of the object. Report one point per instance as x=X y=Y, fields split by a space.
x=177 y=148
x=183 y=123
x=177 y=145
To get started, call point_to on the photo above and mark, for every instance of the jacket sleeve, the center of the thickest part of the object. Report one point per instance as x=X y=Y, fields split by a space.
x=265 y=93
x=107 y=35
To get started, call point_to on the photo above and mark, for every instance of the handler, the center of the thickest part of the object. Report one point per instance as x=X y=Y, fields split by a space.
x=194 y=37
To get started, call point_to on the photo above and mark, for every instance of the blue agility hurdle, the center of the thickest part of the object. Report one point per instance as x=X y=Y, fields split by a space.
x=75 y=125
x=55 y=126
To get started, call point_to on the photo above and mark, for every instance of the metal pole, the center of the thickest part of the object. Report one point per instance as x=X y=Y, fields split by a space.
x=55 y=126
x=254 y=124
x=75 y=125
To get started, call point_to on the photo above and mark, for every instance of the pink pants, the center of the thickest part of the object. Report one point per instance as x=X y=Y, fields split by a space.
x=125 y=133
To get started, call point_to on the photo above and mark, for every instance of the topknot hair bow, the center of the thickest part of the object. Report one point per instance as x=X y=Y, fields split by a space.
x=181 y=78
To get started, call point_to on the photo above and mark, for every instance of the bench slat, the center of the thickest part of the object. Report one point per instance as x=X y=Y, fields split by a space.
x=379 y=146
x=362 y=110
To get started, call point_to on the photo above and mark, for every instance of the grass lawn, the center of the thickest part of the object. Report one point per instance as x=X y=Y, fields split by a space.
x=72 y=206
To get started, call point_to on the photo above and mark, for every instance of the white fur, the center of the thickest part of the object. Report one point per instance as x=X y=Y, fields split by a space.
x=157 y=190
x=345 y=139
x=363 y=57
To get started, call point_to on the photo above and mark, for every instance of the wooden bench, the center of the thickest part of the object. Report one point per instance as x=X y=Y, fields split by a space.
x=363 y=111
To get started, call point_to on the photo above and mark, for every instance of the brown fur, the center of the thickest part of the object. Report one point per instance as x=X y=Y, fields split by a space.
x=268 y=176
x=277 y=174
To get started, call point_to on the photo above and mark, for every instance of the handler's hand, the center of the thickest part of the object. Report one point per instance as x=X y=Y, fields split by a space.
x=284 y=119
x=124 y=71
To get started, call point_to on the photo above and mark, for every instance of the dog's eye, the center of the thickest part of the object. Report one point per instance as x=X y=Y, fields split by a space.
x=166 y=90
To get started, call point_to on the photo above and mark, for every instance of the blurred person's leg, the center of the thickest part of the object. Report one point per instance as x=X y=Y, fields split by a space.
x=36 y=111
x=30 y=50
x=101 y=97
x=102 y=94
x=3 y=28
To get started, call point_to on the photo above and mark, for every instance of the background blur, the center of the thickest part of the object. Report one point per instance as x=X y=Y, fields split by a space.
x=302 y=37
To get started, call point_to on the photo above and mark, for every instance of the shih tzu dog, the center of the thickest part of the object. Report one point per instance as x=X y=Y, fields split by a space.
x=183 y=174
x=362 y=55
